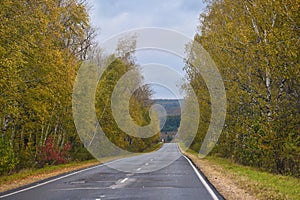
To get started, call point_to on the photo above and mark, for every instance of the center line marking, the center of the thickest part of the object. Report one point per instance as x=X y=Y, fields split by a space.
x=123 y=181
x=138 y=169
x=147 y=164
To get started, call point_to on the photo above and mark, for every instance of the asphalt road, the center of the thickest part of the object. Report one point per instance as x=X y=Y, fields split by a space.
x=162 y=175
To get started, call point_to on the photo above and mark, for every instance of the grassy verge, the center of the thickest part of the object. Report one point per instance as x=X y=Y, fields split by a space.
x=258 y=184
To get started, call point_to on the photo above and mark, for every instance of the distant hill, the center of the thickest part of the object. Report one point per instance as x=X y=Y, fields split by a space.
x=173 y=110
x=172 y=106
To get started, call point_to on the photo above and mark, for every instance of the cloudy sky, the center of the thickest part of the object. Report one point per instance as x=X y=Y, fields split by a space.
x=112 y=17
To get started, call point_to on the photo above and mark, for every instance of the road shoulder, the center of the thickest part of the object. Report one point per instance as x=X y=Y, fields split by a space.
x=236 y=181
x=223 y=182
x=31 y=176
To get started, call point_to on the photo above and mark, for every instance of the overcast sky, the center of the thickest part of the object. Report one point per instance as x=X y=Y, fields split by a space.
x=112 y=17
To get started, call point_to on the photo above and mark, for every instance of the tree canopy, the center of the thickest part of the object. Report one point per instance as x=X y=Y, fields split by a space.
x=255 y=45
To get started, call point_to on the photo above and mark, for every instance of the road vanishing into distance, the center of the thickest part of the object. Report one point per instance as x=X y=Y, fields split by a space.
x=177 y=180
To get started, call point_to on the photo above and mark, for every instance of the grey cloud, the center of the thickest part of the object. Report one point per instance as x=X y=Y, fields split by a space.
x=116 y=16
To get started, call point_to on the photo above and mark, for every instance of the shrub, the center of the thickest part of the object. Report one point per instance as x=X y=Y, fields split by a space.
x=52 y=155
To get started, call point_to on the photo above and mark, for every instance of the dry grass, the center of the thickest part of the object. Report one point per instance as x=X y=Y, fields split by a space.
x=224 y=182
x=29 y=176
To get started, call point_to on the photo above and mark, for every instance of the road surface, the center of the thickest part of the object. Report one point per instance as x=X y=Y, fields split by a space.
x=176 y=180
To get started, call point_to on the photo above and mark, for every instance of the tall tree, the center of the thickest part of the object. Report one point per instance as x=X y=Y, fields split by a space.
x=139 y=103
x=42 y=44
x=255 y=45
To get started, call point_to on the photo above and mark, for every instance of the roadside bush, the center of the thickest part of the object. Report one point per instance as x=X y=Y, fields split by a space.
x=51 y=154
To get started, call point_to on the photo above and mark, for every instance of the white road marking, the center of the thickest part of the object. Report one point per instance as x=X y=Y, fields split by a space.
x=138 y=169
x=101 y=196
x=56 y=179
x=82 y=188
x=147 y=164
x=151 y=159
x=121 y=183
x=97 y=188
x=210 y=191
x=124 y=180
x=77 y=182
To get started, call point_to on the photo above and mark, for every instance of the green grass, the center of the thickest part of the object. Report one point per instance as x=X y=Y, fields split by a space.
x=263 y=184
x=266 y=184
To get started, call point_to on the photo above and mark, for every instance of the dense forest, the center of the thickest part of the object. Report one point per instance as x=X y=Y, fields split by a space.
x=172 y=123
x=172 y=106
x=139 y=102
x=173 y=111
x=43 y=44
x=255 y=45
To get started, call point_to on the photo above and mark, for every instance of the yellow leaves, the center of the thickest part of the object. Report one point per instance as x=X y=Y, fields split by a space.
x=137 y=108
x=36 y=69
x=256 y=46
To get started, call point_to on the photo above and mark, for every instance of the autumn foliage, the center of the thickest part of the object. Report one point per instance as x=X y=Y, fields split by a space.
x=51 y=154
x=42 y=44
x=255 y=45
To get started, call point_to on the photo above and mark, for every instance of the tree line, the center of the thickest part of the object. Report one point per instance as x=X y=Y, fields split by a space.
x=255 y=44
x=43 y=44
x=139 y=103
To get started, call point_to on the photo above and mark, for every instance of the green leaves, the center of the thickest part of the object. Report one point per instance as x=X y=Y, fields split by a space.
x=255 y=45
x=42 y=44
x=138 y=106
x=8 y=158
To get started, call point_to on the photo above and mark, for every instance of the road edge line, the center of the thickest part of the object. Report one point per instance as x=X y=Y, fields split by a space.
x=55 y=179
x=206 y=185
x=49 y=181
